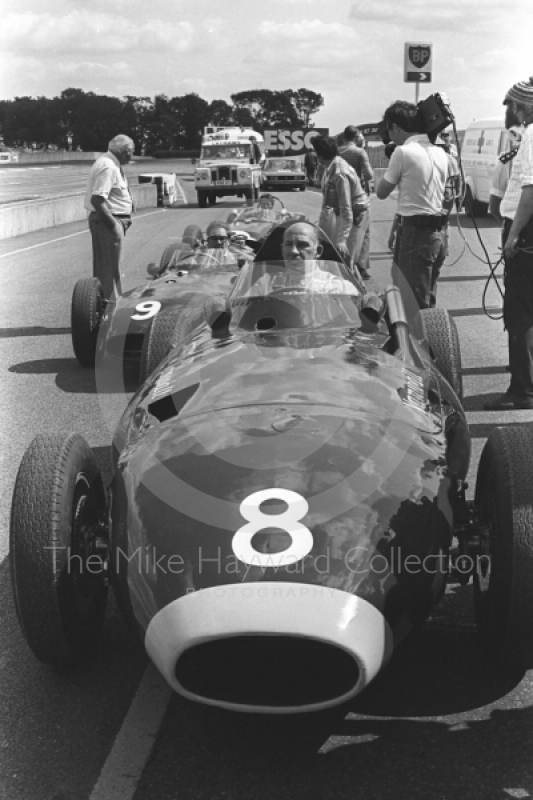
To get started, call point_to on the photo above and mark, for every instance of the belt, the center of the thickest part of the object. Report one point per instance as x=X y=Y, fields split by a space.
x=432 y=222
x=122 y=216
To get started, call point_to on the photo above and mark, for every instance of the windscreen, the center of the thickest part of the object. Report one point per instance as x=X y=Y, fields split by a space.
x=280 y=164
x=216 y=151
x=308 y=294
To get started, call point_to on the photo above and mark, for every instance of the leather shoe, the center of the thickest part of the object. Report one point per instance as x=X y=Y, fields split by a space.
x=364 y=273
x=508 y=402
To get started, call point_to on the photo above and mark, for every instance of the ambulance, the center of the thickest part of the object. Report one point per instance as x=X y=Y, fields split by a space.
x=230 y=164
x=483 y=143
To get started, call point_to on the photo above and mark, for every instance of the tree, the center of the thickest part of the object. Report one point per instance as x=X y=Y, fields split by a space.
x=220 y=113
x=306 y=103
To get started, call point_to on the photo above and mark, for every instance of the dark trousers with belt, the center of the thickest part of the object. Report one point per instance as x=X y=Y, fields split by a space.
x=518 y=312
x=419 y=255
x=107 y=252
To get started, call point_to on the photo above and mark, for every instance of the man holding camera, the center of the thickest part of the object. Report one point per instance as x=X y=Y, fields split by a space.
x=420 y=170
x=516 y=210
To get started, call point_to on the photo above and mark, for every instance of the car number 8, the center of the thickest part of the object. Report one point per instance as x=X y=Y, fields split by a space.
x=288 y=521
x=147 y=309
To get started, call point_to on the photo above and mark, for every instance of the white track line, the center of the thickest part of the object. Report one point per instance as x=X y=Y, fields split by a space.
x=125 y=763
x=69 y=236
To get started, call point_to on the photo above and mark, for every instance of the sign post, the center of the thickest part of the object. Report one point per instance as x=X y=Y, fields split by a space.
x=417 y=65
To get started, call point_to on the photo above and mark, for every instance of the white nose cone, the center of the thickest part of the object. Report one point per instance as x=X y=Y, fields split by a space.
x=269 y=647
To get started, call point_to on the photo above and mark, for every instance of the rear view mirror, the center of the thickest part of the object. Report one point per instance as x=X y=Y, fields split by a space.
x=152 y=269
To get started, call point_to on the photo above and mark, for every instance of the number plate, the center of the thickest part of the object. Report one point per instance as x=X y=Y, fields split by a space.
x=223 y=182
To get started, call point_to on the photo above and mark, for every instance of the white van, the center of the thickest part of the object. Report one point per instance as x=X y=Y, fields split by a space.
x=484 y=141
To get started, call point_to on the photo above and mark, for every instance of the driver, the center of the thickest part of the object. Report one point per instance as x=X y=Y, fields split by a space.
x=301 y=248
x=217 y=235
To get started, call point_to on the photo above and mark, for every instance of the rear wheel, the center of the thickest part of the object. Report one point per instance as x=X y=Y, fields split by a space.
x=503 y=575
x=157 y=342
x=59 y=579
x=441 y=332
x=86 y=313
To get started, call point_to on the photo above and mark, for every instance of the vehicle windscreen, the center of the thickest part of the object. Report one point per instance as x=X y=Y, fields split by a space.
x=300 y=294
x=259 y=214
x=209 y=258
x=280 y=164
x=240 y=151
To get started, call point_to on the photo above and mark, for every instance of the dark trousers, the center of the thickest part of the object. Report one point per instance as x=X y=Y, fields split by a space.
x=518 y=312
x=419 y=255
x=107 y=252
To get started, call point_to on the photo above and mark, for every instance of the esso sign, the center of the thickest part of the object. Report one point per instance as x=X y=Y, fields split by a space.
x=291 y=141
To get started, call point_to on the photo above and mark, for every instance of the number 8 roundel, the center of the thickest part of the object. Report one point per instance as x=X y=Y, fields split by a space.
x=288 y=521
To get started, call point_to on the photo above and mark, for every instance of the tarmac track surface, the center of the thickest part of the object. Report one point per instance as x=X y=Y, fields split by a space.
x=437 y=724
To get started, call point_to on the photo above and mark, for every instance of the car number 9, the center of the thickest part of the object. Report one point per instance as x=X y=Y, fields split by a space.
x=146 y=310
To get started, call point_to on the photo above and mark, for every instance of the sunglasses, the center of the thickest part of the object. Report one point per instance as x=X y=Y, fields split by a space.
x=219 y=238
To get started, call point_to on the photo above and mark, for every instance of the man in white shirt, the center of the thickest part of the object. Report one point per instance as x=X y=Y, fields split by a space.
x=420 y=171
x=516 y=210
x=109 y=203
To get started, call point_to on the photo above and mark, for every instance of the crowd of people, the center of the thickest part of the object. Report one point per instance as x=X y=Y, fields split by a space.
x=424 y=171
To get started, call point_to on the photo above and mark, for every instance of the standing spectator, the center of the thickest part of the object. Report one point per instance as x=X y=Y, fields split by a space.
x=345 y=203
x=452 y=190
x=517 y=212
x=419 y=170
x=502 y=173
x=358 y=159
x=109 y=203
x=310 y=165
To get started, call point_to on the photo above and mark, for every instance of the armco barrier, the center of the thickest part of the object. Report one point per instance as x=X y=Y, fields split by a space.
x=23 y=218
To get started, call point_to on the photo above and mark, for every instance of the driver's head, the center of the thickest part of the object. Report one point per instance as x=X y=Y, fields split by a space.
x=300 y=243
x=217 y=234
x=266 y=201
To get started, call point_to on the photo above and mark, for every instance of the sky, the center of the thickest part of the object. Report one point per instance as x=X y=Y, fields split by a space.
x=349 y=51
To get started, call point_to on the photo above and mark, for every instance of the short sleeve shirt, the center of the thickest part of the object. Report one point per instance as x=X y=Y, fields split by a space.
x=420 y=170
x=107 y=180
x=521 y=175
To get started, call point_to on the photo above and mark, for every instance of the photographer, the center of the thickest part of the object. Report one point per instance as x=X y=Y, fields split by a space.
x=517 y=236
x=420 y=170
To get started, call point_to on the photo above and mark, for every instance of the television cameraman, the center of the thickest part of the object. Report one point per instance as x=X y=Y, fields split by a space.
x=420 y=170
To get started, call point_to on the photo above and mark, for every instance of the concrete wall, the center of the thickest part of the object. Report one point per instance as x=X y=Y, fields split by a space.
x=55 y=157
x=22 y=218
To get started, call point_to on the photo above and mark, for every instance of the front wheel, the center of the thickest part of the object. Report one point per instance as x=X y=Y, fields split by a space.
x=202 y=199
x=503 y=574
x=87 y=308
x=58 y=572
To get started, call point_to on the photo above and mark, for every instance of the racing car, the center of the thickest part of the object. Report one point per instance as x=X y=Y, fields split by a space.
x=287 y=502
x=124 y=326
x=253 y=224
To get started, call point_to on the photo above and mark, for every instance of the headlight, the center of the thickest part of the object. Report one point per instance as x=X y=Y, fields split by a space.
x=243 y=174
x=203 y=176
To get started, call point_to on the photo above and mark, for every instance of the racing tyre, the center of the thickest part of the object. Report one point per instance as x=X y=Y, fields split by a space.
x=60 y=595
x=157 y=342
x=441 y=332
x=86 y=313
x=202 y=199
x=503 y=574
x=192 y=235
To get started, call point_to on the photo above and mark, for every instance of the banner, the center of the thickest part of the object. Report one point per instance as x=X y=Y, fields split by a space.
x=290 y=141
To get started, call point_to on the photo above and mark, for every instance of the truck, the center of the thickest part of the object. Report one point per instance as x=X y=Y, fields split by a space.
x=230 y=164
